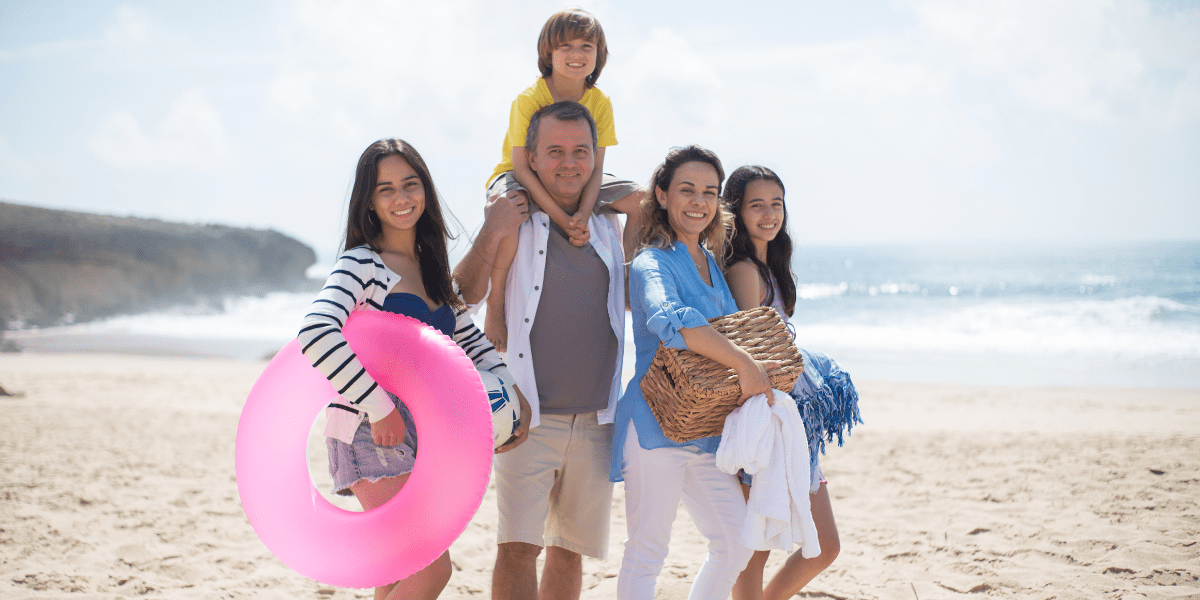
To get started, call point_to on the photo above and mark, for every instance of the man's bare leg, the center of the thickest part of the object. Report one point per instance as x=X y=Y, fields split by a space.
x=515 y=574
x=562 y=575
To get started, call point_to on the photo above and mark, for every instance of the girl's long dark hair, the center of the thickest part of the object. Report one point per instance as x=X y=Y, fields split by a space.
x=779 y=250
x=363 y=228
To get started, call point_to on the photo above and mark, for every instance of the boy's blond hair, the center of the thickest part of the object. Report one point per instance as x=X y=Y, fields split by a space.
x=567 y=25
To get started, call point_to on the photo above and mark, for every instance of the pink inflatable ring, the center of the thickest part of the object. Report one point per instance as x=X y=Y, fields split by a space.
x=440 y=386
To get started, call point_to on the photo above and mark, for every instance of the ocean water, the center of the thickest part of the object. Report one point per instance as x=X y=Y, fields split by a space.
x=1104 y=315
x=1115 y=314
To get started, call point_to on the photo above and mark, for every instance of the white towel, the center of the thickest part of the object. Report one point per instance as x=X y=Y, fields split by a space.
x=770 y=443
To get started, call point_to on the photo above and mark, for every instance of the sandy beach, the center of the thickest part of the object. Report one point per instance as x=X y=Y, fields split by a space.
x=117 y=479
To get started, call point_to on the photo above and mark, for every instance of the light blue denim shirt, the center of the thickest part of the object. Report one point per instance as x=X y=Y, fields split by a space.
x=666 y=294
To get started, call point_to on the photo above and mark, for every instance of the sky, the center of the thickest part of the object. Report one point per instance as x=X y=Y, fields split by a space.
x=907 y=121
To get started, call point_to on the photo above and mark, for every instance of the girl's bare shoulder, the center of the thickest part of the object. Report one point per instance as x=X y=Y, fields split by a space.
x=746 y=285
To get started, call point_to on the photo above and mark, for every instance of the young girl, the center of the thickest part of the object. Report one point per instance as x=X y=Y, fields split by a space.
x=394 y=260
x=760 y=274
x=571 y=54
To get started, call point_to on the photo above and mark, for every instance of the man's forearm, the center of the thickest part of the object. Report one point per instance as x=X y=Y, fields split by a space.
x=473 y=271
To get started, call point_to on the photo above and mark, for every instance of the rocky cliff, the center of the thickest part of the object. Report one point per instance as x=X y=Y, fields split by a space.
x=60 y=266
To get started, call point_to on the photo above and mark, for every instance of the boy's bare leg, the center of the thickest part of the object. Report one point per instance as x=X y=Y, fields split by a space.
x=494 y=325
x=502 y=217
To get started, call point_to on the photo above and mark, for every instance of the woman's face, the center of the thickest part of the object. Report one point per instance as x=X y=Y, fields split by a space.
x=691 y=200
x=399 y=196
x=762 y=210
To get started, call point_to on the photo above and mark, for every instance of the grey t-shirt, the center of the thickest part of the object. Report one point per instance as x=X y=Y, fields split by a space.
x=572 y=342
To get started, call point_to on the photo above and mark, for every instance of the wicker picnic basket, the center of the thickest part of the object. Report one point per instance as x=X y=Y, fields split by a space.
x=691 y=395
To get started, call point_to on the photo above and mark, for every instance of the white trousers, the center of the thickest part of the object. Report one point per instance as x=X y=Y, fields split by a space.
x=655 y=481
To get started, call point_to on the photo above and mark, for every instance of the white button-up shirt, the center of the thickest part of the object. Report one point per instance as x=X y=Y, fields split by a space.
x=524 y=290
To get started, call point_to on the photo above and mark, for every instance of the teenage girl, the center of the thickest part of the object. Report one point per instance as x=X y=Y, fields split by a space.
x=759 y=274
x=571 y=55
x=394 y=259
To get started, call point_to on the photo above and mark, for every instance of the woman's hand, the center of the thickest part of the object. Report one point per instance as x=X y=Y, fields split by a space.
x=388 y=431
x=752 y=377
x=519 y=434
x=752 y=374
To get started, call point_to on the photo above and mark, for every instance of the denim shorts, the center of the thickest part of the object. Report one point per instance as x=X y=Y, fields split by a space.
x=351 y=463
x=817 y=479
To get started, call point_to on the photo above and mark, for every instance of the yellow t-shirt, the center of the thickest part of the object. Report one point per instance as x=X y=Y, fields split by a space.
x=534 y=98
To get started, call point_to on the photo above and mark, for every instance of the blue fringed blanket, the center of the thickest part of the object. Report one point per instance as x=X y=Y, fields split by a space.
x=828 y=402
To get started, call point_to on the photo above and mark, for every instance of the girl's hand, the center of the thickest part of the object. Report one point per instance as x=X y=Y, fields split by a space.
x=752 y=377
x=388 y=431
x=520 y=433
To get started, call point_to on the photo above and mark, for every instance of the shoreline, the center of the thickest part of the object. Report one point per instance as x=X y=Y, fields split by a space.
x=893 y=367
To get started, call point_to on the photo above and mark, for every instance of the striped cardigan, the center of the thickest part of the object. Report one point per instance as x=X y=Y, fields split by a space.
x=360 y=281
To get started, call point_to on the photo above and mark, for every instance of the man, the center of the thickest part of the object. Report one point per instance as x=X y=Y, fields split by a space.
x=566 y=325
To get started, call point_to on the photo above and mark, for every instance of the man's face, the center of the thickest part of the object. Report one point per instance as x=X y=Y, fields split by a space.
x=564 y=159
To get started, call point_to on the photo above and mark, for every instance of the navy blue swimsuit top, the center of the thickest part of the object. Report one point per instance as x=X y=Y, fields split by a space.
x=411 y=305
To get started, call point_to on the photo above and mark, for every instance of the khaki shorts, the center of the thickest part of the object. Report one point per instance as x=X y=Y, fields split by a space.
x=553 y=490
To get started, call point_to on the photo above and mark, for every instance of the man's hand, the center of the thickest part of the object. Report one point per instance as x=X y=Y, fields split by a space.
x=502 y=217
x=504 y=213
x=521 y=433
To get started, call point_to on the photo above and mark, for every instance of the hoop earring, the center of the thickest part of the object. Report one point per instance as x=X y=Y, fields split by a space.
x=373 y=219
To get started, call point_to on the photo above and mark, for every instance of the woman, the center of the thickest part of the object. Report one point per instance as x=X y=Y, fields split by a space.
x=395 y=260
x=675 y=286
x=760 y=274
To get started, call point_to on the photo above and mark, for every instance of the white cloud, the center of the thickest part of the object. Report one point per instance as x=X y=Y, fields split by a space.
x=440 y=75
x=132 y=28
x=13 y=164
x=1090 y=60
x=191 y=136
x=673 y=84
x=897 y=130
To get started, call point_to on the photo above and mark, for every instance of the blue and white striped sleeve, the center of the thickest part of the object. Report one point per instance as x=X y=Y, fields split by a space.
x=476 y=345
x=349 y=285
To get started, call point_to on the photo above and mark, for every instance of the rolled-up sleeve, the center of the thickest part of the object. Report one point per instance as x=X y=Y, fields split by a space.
x=655 y=284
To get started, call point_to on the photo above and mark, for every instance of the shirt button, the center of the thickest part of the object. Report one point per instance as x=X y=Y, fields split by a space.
x=537 y=287
x=526 y=320
x=520 y=356
x=540 y=252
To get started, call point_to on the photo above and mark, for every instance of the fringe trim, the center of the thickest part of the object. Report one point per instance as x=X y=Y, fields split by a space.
x=829 y=409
